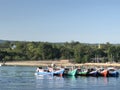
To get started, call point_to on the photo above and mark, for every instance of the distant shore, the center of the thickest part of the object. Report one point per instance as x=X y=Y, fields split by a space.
x=58 y=63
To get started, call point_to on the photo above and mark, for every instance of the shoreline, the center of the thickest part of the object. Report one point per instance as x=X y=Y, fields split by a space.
x=58 y=63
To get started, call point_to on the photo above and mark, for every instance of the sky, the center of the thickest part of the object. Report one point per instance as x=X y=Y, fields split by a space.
x=86 y=21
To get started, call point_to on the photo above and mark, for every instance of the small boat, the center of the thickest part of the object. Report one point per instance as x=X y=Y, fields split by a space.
x=112 y=72
x=43 y=71
x=102 y=72
x=93 y=72
x=58 y=72
x=82 y=72
x=47 y=72
x=70 y=72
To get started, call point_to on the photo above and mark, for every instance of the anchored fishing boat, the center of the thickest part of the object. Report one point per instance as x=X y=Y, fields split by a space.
x=49 y=71
x=58 y=72
x=82 y=72
x=70 y=71
x=102 y=72
x=112 y=72
x=92 y=72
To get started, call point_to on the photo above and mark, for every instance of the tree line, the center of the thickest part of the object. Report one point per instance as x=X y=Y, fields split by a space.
x=74 y=51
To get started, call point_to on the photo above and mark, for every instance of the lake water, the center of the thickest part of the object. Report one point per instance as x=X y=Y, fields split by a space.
x=23 y=78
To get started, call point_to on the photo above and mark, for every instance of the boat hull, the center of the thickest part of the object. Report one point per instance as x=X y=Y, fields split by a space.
x=59 y=72
x=113 y=74
x=70 y=72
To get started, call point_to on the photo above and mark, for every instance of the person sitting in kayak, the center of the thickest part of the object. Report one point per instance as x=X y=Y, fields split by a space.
x=39 y=69
x=50 y=69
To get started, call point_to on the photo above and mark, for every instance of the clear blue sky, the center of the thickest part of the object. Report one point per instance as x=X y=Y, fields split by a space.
x=87 y=21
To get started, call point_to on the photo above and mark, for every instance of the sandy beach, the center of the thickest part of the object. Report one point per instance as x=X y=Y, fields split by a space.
x=58 y=63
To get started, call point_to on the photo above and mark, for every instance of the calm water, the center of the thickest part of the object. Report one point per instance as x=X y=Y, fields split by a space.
x=23 y=78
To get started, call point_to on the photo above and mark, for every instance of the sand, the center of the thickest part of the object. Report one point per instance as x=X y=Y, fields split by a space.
x=58 y=63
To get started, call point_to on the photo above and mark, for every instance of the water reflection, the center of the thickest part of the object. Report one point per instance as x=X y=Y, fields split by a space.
x=70 y=77
x=49 y=82
x=44 y=77
x=75 y=79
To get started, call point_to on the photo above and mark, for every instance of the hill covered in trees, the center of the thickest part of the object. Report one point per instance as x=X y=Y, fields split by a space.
x=74 y=51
